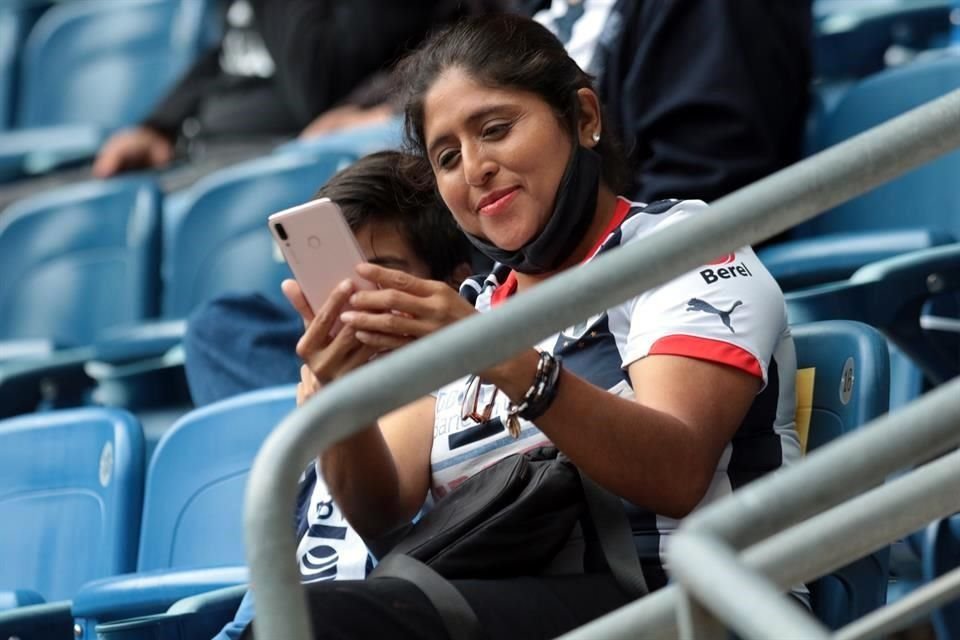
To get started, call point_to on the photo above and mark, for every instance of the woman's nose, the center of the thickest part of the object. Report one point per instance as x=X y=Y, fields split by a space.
x=478 y=168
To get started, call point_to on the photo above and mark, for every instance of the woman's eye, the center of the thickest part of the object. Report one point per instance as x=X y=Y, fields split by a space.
x=495 y=131
x=446 y=159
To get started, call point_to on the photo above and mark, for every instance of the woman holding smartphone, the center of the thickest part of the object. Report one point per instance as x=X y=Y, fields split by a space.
x=669 y=400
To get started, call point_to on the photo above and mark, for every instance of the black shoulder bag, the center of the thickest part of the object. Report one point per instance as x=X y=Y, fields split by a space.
x=509 y=520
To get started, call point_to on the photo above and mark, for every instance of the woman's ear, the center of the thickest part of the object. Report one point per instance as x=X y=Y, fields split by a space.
x=590 y=125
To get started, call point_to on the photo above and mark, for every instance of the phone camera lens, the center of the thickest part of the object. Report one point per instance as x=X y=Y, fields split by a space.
x=280 y=231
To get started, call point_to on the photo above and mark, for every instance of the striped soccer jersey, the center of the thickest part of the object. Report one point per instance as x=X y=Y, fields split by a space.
x=730 y=311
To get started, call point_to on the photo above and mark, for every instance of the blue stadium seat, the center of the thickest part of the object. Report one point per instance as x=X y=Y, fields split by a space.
x=71 y=486
x=78 y=260
x=215 y=241
x=88 y=68
x=940 y=555
x=916 y=211
x=852 y=37
x=16 y=18
x=191 y=532
x=106 y=62
x=217 y=238
x=842 y=383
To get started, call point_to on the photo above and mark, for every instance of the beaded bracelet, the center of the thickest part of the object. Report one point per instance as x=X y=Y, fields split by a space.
x=539 y=396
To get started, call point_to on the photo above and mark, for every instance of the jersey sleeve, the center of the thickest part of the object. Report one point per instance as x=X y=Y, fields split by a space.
x=730 y=311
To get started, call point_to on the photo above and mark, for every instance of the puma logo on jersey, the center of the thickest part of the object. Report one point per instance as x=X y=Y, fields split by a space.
x=696 y=304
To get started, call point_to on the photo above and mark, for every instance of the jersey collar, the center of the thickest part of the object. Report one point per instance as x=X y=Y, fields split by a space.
x=509 y=285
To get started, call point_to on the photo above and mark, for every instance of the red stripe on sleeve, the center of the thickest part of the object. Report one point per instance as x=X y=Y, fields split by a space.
x=707 y=349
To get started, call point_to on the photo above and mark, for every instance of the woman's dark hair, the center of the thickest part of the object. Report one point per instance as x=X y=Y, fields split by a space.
x=386 y=187
x=505 y=51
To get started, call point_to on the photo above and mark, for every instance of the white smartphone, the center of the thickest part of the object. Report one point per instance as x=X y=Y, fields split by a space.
x=320 y=249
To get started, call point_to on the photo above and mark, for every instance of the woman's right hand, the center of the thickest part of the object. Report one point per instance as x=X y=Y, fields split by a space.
x=326 y=357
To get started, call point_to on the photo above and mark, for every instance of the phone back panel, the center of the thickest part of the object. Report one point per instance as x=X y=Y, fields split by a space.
x=319 y=247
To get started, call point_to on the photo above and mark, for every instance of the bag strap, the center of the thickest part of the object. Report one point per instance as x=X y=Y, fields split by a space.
x=615 y=535
x=458 y=617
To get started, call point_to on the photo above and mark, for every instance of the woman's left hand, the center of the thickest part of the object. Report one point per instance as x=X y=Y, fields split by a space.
x=403 y=309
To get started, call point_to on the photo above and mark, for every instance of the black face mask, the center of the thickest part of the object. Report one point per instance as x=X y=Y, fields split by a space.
x=574 y=211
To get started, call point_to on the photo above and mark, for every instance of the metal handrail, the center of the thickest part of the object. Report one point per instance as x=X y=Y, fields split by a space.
x=822 y=544
x=754 y=213
x=799 y=553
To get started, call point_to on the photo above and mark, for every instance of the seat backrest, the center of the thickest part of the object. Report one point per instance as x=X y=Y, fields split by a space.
x=79 y=259
x=941 y=555
x=71 y=487
x=106 y=62
x=15 y=22
x=218 y=241
x=927 y=197
x=193 y=504
x=842 y=382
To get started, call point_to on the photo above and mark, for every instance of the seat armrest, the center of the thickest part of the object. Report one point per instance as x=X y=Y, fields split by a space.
x=228 y=597
x=890 y=295
x=50 y=620
x=19 y=598
x=198 y=617
x=40 y=149
x=25 y=349
x=143 y=341
x=139 y=594
x=810 y=261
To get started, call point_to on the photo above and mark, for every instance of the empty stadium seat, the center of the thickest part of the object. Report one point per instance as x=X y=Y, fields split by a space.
x=16 y=18
x=915 y=211
x=217 y=236
x=96 y=66
x=106 y=62
x=78 y=260
x=71 y=485
x=853 y=37
x=940 y=555
x=75 y=261
x=842 y=383
x=191 y=532
x=216 y=241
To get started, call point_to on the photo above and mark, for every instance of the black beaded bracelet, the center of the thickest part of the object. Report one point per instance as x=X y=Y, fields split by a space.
x=539 y=396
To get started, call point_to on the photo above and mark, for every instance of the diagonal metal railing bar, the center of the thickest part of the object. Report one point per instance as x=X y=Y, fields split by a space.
x=847 y=530
x=743 y=599
x=835 y=537
x=751 y=214
x=859 y=526
x=905 y=611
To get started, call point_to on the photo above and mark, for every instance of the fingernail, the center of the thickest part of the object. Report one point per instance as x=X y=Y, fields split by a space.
x=346 y=286
x=353 y=299
x=347 y=316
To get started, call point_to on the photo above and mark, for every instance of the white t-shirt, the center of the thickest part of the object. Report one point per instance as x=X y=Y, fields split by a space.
x=730 y=311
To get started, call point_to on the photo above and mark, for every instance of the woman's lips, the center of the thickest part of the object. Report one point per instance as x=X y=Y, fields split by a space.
x=498 y=203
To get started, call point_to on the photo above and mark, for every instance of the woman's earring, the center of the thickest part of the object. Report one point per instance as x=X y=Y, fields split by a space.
x=596 y=136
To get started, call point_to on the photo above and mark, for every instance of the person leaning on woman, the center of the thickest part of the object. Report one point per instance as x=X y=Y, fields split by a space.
x=670 y=400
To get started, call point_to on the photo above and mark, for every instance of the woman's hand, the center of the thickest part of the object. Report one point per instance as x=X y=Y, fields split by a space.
x=308 y=385
x=327 y=358
x=403 y=309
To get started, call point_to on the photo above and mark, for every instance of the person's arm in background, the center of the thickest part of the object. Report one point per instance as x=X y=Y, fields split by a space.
x=709 y=96
x=151 y=143
x=324 y=48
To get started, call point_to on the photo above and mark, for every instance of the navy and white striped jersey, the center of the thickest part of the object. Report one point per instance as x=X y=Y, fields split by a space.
x=730 y=311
